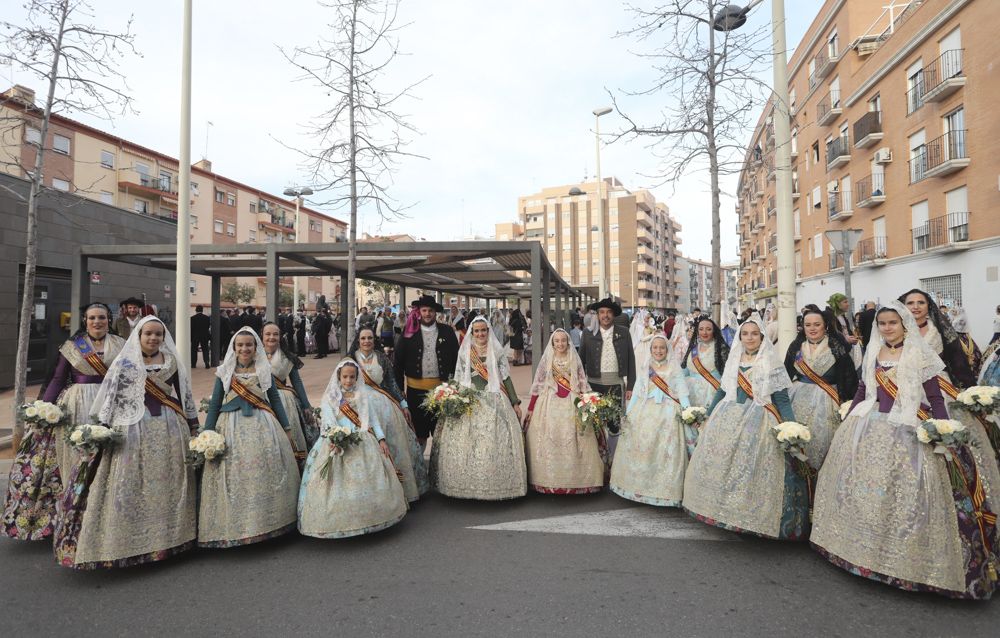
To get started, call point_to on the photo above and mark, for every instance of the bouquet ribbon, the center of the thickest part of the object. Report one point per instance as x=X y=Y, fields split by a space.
x=747 y=387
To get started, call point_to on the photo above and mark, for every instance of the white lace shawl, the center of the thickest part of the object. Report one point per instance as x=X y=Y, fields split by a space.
x=917 y=363
x=672 y=375
x=933 y=337
x=261 y=364
x=121 y=400
x=334 y=393
x=496 y=360
x=767 y=373
x=707 y=357
x=544 y=382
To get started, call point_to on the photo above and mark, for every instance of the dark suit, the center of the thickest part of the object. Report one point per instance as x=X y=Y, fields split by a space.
x=201 y=330
x=254 y=321
x=321 y=328
x=408 y=358
x=590 y=355
x=867 y=320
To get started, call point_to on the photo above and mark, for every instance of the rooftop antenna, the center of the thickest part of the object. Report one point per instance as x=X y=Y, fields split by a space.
x=208 y=129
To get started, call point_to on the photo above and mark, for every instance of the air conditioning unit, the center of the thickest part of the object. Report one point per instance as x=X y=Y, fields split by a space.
x=883 y=155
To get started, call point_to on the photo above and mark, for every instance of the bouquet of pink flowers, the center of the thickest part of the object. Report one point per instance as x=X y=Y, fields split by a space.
x=597 y=411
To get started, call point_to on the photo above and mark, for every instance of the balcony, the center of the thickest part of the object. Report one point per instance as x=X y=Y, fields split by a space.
x=839 y=205
x=838 y=152
x=643 y=234
x=946 y=154
x=871 y=251
x=945 y=233
x=755 y=192
x=769 y=165
x=915 y=96
x=758 y=223
x=824 y=63
x=795 y=190
x=829 y=108
x=870 y=191
x=645 y=251
x=772 y=244
x=943 y=76
x=149 y=184
x=771 y=209
x=644 y=218
x=644 y=268
x=273 y=222
x=769 y=136
x=868 y=130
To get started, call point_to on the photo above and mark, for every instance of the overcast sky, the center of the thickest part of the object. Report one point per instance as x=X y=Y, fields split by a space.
x=506 y=111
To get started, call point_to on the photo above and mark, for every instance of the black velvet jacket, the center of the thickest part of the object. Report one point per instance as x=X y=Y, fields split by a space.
x=408 y=355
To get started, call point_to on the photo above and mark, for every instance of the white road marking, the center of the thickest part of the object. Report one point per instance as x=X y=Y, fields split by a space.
x=638 y=522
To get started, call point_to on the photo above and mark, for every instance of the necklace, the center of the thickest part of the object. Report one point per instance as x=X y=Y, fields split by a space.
x=240 y=366
x=150 y=356
x=896 y=346
x=922 y=325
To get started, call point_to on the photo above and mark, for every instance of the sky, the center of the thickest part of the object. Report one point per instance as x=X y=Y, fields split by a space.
x=506 y=109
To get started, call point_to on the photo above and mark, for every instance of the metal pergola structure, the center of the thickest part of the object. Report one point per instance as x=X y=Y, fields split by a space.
x=490 y=270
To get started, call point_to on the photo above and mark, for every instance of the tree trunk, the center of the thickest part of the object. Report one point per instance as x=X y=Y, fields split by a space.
x=713 y=169
x=352 y=246
x=31 y=243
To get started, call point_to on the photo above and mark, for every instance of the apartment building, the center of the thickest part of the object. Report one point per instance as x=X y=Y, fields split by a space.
x=892 y=117
x=96 y=165
x=641 y=239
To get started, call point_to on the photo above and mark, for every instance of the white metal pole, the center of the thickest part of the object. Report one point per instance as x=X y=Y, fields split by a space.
x=783 y=177
x=295 y=280
x=635 y=292
x=182 y=307
x=601 y=255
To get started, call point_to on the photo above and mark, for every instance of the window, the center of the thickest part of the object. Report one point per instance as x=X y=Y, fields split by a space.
x=194 y=188
x=918 y=156
x=33 y=136
x=833 y=45
x=920 y=226
x=945 y=290
x=220 y=196
x=818 y=246
x=815 y=153
x=333 y=233
x=914 y=86
x=142 y=168
x=60 y=144
x=253 y=235
x=194 y=221
x=219 y=226
x=957 y=203
x=253 y=207
x=231 y=229
x=107 y=197
x=107 y=159
x=954 y=127
x=798 y=263
x=60 y=184
x=230 y=199
x=141 y=206
x=791 y=100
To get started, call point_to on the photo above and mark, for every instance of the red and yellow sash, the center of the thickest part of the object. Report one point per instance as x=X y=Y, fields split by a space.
x=244 y=392
x=371 y=384
x=154 y=390
x=88 y=353
x=892 y=390
x=481 y=370
x=351 y=414
x=747 y=387
x=703 y=371
x=281 y=385
x=948 y=387
x=809 y=373
x=561 y=380
x=978 y=495
x=662 y=385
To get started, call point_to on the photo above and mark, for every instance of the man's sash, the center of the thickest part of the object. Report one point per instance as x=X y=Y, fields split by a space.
x=244 y=392
x=809 y=373
x=703 y=371
x=481 y=370
x=662 y=385
x=747 y=387
x=890 y=388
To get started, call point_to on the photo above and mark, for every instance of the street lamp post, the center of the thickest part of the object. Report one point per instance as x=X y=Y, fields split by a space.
x=298 y=194
x=182 y=280
x=730 y=18
x=601 y=251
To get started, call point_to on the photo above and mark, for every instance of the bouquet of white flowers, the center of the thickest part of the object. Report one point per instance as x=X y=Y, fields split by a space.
x=792 y=438
x=979 y=399
x=943 y=434
x=42 y=413
x=340 y=437
x=693 y=416
x=845 y=409
x=597 y=411
x=209 y=445
x=91 y=437
x=450 y=400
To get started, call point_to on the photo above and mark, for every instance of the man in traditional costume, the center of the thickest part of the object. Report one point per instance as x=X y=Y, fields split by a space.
x=607 y=355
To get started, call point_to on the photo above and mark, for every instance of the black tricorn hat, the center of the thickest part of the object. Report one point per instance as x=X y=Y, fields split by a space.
x=606 y=303
x=426 y=301
x=132 y=300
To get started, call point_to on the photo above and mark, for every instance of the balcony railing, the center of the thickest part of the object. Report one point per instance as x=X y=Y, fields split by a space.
x=836 y=261
x=871 y=249
x=943 y=76
x=772 y=243
x=829 y=108
x=160 y=183
x=868 y=129
x=915 y=96
x=823 y=63
x=839 y=204
x=941 y=231
x=941 y=156
x=838 y=152
x=771 y=209
x=870 y=191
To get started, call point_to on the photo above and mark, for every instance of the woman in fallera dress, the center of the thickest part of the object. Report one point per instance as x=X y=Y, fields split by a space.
x=391 y=412
x=44 y=460
x=739 y=478
x=704 y=362
x=285 y=375
x=481 y=455
x=822 y=370
x=358 y=492
x=886 y=508
x=562 y=458
x=654 y=446
x=134 y=502
x=250 y=494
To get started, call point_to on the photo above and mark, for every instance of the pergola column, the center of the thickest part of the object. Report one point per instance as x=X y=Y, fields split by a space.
x=271 y=296
x=536 y=303
x=80 y=292
x=545 y=320
x=216 y=315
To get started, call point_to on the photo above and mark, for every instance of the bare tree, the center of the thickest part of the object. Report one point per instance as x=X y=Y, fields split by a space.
x=59 y=44
x=360 y=136
x=711 y=90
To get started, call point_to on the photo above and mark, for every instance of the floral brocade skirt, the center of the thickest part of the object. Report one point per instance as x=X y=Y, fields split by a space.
x=886 y=509
x=561 y=459
x=250 y=494
x=652 y=455
x=739 y=479
x=480 y=455
x=130 y=504
x=700 y=392
x=815 y=409
x=76 y=401
x=295 y=420
x=402 y=441
x=360 y=493
x=33 y=486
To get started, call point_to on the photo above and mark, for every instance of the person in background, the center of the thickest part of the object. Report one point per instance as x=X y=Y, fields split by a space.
x=960 y=321
x=225 y=329
x=865 y=323
x=201 y=331
x=322 y=325
x=996 y=327
x=576 y=333
x=253 y=320
x=129 y=317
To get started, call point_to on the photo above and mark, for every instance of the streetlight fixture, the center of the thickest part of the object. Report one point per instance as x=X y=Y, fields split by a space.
x=298 y=194
x=732 y=17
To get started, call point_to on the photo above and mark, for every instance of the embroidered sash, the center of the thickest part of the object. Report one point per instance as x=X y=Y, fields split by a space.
x=88 y=353
x=747 y=387
x=890 y=388
x=481 y=370
x=281 y=385
x=662 y=386
x=809 y=373
x=157 y=393
x=351 y=414
x=974 y=488
x=371 y=384
x=703 y=371
x=561 y=380
x=948 y=387
x=244 y=392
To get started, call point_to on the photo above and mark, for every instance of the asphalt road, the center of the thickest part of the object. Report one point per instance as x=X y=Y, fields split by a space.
x=431 y=575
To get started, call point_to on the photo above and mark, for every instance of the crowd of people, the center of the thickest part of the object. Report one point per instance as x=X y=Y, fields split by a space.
x=866 y=488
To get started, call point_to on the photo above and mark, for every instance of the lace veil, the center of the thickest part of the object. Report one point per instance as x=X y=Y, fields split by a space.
x=767 y=373
x=262 y=366
x=543 y=374
x=673 y=376
x=496 y=360
x=334 y=393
